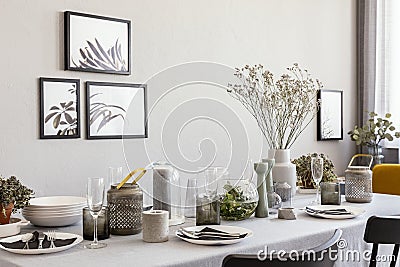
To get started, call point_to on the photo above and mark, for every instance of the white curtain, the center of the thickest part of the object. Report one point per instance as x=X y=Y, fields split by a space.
x=379 y=60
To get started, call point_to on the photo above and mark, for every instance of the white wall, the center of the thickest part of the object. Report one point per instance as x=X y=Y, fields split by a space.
x=320 y=35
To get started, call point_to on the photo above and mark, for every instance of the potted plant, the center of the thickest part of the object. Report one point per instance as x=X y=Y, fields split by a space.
x=282 y=107
x=13 y=196
x=303 y=170
x=372 y=133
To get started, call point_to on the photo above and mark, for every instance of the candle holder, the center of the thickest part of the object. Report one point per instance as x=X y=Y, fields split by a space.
x=103 y=228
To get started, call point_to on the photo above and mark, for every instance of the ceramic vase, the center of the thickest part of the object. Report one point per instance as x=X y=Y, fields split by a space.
x=284 y=170
x=262 y=207
x=274 y=200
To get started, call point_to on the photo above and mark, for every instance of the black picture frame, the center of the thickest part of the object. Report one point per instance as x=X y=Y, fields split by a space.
x=330 y=115
x=96 y=43
x=59 y=113
x=119 y=97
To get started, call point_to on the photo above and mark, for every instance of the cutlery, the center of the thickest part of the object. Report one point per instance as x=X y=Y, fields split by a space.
x=25 y=238
x=329 y=211
x=41 y=239
x=210 y=233
x=51 y=236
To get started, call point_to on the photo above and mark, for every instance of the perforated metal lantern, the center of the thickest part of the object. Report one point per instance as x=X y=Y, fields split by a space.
x=358 y=183
x=125 y=209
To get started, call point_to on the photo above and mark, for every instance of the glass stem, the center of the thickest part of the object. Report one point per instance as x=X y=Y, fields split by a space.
x=317 y=199
x=95 y=241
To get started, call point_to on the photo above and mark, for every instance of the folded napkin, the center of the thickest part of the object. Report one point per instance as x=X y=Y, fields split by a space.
x=34 y=242
x=339 y=211
x=208 y=233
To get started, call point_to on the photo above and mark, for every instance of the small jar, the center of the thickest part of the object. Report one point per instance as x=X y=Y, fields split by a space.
x=125 y=208
x=103 y=229
x=284 y=190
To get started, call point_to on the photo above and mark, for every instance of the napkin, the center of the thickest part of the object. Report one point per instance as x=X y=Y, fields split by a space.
x=208 y=233
x=34 y=242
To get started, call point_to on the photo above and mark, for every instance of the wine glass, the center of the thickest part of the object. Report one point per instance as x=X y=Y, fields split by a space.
x=317 y=164
x=95 y=198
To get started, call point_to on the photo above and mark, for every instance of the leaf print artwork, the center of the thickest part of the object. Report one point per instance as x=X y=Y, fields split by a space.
x=59 y=108
x=94 y=56
x=104 y=113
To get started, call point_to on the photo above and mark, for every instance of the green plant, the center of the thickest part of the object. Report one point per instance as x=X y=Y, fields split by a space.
x=303 y=170
x=235 y=205
x=374 y=131
x=283 y=108
x=12 y=191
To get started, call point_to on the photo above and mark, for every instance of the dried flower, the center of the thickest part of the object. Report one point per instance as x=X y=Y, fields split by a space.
x=282 y=108
x=303 y=170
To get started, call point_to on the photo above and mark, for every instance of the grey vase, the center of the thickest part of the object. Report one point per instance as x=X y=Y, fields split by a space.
x=262 y=206
x=274 y=200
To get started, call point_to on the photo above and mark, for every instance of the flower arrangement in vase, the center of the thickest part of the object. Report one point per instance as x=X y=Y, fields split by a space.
x=13 y=196
x=303 y=170
x=282 y=108
x=373 y=132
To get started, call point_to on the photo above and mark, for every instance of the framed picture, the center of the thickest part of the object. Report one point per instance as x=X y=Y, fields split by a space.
x=97 y=44
x=330 y=115
x=107 y=107
x=59 y=108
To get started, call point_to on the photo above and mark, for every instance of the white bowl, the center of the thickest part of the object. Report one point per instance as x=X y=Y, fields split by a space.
x=13 y=228
x=57 y=209
x=55 y=213
x=53 y=221
x=56 y=201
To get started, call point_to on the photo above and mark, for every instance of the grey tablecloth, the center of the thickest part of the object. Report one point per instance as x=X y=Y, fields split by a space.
x=303 y=233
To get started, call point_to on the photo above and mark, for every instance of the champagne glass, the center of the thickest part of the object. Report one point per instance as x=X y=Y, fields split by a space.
x=317 y=165
x=95 y=198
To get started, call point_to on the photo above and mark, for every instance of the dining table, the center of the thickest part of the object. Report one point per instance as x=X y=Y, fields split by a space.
x=269 y=234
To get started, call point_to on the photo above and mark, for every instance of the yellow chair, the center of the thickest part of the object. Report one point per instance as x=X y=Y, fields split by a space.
x=386 y=179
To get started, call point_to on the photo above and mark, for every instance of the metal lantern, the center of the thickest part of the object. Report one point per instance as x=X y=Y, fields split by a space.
x=125 y=204
x=358 y=183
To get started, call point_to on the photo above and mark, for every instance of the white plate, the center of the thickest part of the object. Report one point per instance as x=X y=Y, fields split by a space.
x=56 y=201
x=355 y=211
x=60 y=213
x=225 y=228
x=41 y=251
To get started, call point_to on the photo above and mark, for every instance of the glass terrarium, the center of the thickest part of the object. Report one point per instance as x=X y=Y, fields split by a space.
x=238 y=199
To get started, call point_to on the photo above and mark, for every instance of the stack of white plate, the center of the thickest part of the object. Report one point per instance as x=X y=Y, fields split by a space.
x=54 y=211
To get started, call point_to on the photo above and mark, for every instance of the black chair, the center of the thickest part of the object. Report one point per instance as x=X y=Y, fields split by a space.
x=383 y=230
x=314 y=257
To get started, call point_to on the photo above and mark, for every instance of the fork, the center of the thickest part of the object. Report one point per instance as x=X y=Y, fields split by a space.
x=51 y=236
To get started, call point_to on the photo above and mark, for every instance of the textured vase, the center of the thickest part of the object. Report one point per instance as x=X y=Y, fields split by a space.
x=262 y=206
x=284 y=170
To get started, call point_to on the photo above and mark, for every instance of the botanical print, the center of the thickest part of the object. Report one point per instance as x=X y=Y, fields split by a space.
x=94 y=56
x=330 y=114
x=59 y=108
x=108 y=104
x=97 y=44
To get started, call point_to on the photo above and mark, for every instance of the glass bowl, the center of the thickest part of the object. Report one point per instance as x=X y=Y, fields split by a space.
x=238 y=199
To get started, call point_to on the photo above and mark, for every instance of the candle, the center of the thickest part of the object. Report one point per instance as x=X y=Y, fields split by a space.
x=155 y=226
x=162 y=177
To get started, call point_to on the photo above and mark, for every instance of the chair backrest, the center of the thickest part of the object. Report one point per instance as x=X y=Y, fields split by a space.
x=383 y=230
x=386 y=179
x=314 y=257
